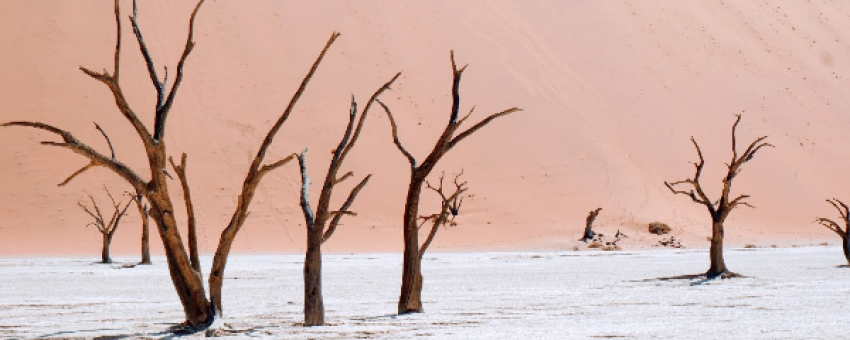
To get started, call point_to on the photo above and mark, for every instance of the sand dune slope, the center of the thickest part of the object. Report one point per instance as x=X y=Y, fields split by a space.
x=611 y=92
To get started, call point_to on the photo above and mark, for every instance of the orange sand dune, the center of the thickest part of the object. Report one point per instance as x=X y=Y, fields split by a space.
x=611 y=92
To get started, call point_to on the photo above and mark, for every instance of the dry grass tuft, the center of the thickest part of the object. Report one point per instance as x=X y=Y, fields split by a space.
x=750 y=246
x=595 y=244
x=659 y=228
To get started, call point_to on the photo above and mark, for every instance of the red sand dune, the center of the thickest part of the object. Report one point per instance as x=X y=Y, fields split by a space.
x=611 y=92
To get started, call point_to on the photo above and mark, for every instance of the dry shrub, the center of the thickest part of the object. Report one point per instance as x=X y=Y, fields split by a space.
x=825 y=244
x=611 y=247
x=659 y=228
x=750 y=246
x=595 y=244
x=575 y=248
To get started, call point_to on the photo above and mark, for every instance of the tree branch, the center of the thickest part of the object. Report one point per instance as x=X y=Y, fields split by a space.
x=345 y=206
x=77 y=173
x=75 y=145
x=305 y=191
x=162 y=112
x=269 y=167
x=480 y=124
x=255 y=166
x=118 y=219
x=109 y=142
x=194 y=254
x=112 y=82
x=831 y=225
x=363 y=115
x=400 y=147
x=344 y=177
x=159 y=86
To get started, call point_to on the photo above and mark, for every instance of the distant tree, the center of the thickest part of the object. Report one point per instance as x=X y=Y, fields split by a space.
x=106 y=228
x=317 y=232
x=588 y=227
x=720 y=208
x=410 y=299
x=200 y=311
x=844 y=212
x=143 y=212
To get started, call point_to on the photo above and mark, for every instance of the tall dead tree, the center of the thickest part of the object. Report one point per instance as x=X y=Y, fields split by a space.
x=720 y=208
x=410 y=300
x=143 y=212
x=106 y=228
x=588 y=227
x=200 y=311
x=322 y=223
x=844 y=212
x=449 y=209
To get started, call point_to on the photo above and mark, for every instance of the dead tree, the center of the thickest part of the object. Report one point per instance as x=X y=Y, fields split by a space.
x=588 y=227
x=410 y=300
x=720 y=208
x=322 y=223
x=143 y=212
x=200 y=311
x=106 y=228
x=844 y=212
x=449 y=209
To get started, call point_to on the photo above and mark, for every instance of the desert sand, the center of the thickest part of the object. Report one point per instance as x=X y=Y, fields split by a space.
x=502 y=295
x=611 y=92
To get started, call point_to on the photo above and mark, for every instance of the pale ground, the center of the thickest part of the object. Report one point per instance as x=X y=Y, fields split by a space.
x=789 y=293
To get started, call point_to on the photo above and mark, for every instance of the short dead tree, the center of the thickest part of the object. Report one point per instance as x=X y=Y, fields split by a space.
x=410 y=298
x=449 y=209
x=106 y=228
x=322 y=223
x=143 y=213
x=588 y=227
x=720 y=208
x=844 y=212
x=200 y=310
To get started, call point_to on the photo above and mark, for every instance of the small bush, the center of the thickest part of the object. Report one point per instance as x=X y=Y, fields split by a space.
x=595 y=244
x=611 y=247
x=659 y=228
x=750 y=246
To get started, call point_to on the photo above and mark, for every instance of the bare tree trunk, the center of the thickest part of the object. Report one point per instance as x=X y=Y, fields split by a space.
x=410 y=300
x=146 y=248
x=186 y=281
x=718 y=266
x=104 y=254
x=588 y=228
x=845 y=244
x=314 y=308
x=143 y=213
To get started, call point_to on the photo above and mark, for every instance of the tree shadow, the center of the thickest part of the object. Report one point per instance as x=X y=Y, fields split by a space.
x=379 y=317
x=698 y=279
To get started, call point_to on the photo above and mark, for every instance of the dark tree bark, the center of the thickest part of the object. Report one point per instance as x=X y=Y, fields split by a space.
x=720 y=208
x=199 y=310
x=588 y=227
x=106 y=228
x=317 y=231
x=143 y=213
x=844 y=212
x=410 y=300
